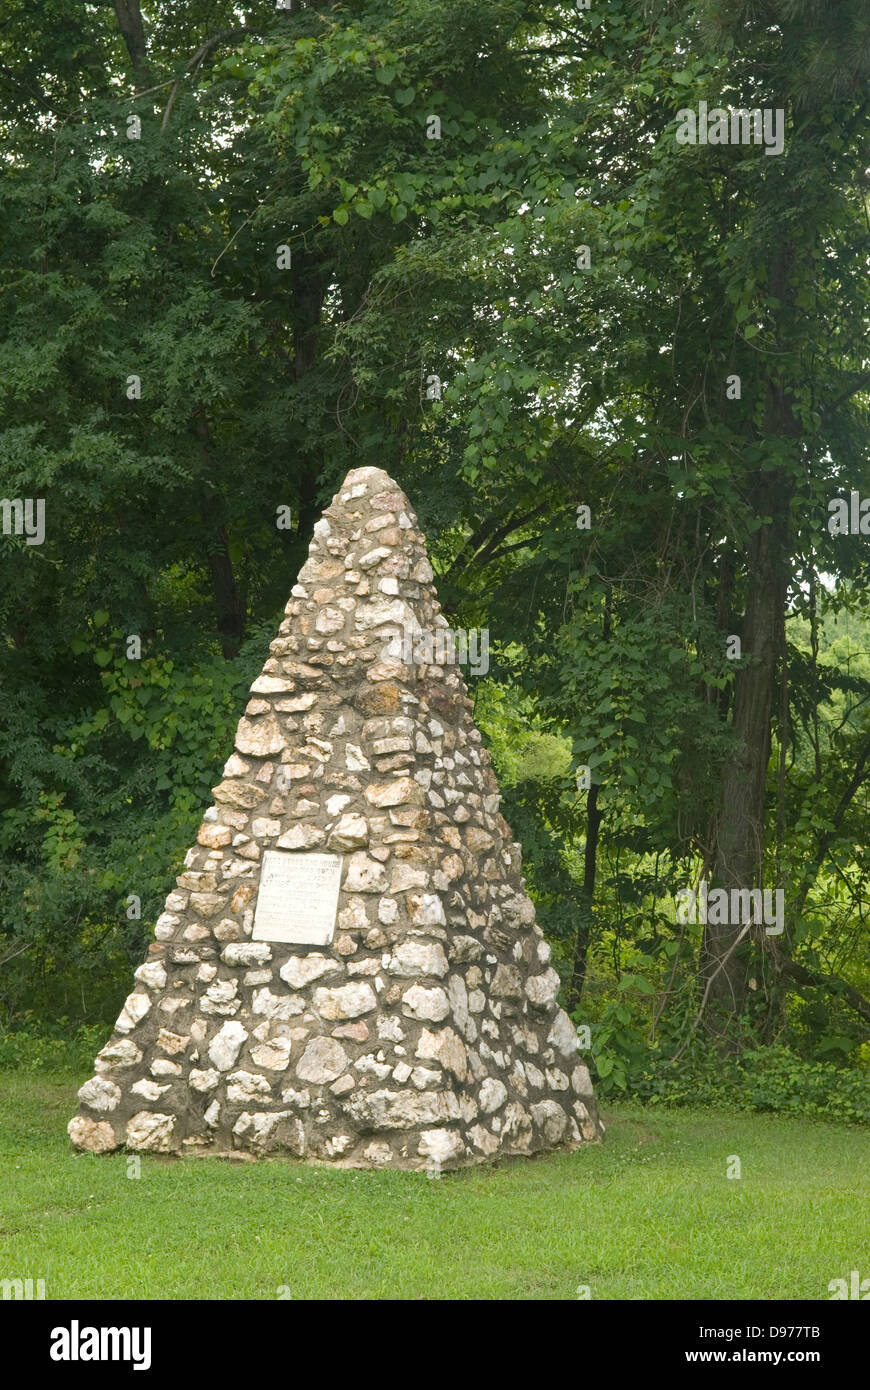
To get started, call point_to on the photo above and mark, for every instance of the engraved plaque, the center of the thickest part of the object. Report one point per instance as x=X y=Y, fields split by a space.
x=298 y=898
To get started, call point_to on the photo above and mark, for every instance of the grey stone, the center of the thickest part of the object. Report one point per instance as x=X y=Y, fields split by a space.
x=323 y=1060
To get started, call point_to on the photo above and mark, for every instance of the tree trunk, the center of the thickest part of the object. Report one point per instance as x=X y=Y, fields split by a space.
x=590 y=862
x=230 y=609
x=229 y=605
x=740 y=828
x=739 y=841
x=132 y=30
x=584 y=926
x=309 y=289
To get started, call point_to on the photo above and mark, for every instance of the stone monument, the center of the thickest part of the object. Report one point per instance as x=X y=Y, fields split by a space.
x=349 y=969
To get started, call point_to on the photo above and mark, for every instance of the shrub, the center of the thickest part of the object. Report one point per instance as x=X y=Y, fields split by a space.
x=28 y=1050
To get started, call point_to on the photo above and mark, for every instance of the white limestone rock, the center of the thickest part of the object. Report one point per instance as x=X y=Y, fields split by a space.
x=365 y=875
x=100 y=1094
x=441 y=1145
x=563 y=1035
x=226 y=1045
x=147 y=1089
x=136 y=1006
x=299 y=971
x=245 y=1086
x=205 y=1080
x=350 y=832
x=492 y=1095
x=345 y=1001
x=118 y=1056
x=414 y=958
x=152 y=974
x=541 y=990
x=151 y=1131
x=428 y=1004
x=402 y=1109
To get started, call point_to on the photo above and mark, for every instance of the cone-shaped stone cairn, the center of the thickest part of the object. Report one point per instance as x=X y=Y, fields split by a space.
x=349 y=969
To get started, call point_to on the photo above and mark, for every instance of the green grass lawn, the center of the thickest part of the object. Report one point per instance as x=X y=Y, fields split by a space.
x=647 y=1214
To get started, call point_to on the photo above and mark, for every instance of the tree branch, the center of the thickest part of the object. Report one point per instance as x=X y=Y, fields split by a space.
x=485 y=541
x=863 y=380
x=199 y=58
x=802 y=975
x=860 y=775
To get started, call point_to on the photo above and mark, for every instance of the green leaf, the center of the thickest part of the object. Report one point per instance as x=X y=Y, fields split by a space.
x=636 y=982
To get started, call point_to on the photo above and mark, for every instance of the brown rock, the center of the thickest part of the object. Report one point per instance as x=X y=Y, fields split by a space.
x=416 y=817
x=206 y=904
x=357 y=1032
x=402 y=792
x=241 y=897
x=383 y=698
x=238 y=794
x=213 y=836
